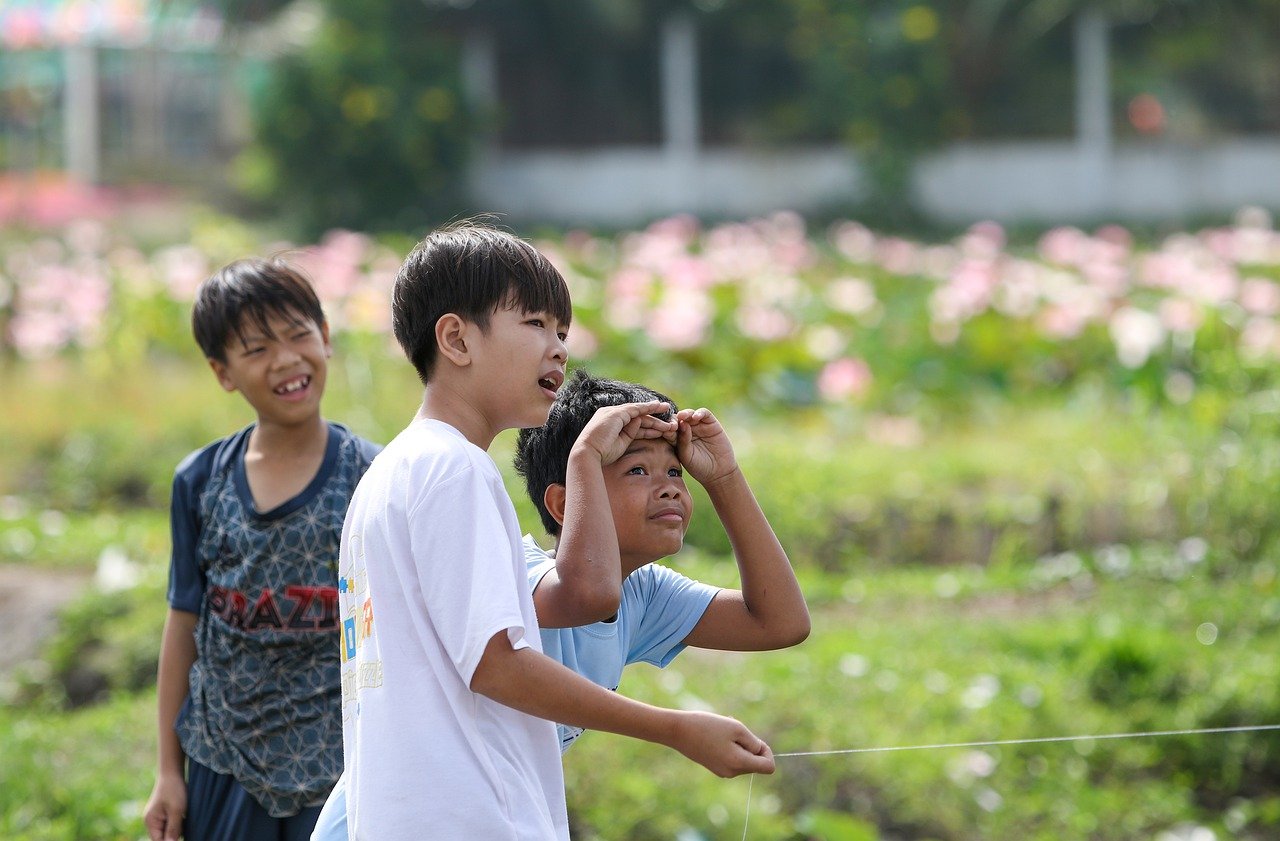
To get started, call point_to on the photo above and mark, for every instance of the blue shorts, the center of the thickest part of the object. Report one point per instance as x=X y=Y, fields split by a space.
x=219 y=809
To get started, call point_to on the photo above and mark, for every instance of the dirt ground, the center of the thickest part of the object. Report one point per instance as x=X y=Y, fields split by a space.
x=30 y=599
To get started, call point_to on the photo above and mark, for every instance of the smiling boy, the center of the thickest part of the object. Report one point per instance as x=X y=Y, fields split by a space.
x=447 y=698
x=248 y=689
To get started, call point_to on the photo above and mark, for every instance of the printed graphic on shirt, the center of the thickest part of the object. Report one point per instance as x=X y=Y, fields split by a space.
x=301 y=607
x=357 y=627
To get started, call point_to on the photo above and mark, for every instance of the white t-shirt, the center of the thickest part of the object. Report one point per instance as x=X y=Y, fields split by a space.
x=430 y=568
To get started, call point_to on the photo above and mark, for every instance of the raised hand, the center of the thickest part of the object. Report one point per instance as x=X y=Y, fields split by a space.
x=613 y=428
x=703 y=446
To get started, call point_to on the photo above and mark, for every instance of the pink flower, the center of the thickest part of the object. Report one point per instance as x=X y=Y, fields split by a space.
x=1136 y=334
x=1058 y=321
x=1064 y=246
x=764 y=323
x=851 y=295
x=1178 y=315
x=1259 y=296
x=1260 y=338
x=183 y=268
x=680 y=322
x=582 y=343
x=854 y=241
x=844 y=378
x=983 y=241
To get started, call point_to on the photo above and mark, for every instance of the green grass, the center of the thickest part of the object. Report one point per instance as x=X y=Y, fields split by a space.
x=922 y=657
x=1027 y=570
x=899 y=656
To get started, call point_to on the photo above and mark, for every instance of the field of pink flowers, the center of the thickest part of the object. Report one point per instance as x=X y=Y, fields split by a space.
x=763 y=311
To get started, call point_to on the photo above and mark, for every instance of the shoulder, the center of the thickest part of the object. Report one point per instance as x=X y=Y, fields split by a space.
x=428 y=456
x=537 y=560
x=364 y=449
x=214 y=457
x=658 y=584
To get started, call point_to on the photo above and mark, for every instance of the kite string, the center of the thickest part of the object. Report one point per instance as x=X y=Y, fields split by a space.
x=1198 y=731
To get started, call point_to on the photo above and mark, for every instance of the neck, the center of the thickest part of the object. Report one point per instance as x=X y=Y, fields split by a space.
x=447 y=404
x=291 y=440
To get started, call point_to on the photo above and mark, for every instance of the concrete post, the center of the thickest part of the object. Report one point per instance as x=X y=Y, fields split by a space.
x=1094 y=136
x=680 y=107
x=82 y=142
x=480 y=84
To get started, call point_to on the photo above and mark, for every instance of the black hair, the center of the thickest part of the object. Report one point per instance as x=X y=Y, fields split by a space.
x=542 y=453
x=248 y=293
x=469 y=269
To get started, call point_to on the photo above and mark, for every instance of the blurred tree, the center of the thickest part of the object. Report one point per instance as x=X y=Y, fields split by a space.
x=365 y=124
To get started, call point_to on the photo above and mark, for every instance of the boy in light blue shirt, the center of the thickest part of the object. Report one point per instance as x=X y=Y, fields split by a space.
x=616 y=503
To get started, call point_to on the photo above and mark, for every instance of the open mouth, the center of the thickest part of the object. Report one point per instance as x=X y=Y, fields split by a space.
x=551 y=382
x=293 y=386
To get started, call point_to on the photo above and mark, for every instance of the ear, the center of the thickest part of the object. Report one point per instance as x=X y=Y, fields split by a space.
x=220 y=371
x=324 y=335
x=553 y=497
x=451 y=339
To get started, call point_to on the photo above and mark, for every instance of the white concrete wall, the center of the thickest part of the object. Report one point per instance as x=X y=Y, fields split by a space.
x=630 y=186
x=1026 y=181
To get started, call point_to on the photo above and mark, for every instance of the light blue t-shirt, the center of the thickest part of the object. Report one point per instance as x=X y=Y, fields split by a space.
x=658 y=609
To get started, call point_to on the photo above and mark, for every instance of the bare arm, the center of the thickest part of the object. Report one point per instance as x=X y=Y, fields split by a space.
x=769 y=611
x=533 y=683
x=168 y=802
x=586 y=584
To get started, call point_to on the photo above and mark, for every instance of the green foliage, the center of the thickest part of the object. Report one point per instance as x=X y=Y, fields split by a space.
x=79 y=776
x=364 y=126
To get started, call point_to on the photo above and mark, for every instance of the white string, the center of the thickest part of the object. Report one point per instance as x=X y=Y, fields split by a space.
x=1195 y=732
x=747 y=821
x=1200 y=731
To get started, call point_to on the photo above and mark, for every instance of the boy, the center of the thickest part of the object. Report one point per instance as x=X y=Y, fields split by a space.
x=447 y=698
x=643 y=495
x=641 y=499
x=248 y=683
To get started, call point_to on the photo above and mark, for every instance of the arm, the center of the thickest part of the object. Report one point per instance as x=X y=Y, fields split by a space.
x=533 y=683
x=586 y=584
x=769 y=611
x=168 y=802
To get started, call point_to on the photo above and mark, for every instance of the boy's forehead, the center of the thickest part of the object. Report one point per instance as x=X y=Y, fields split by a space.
x=255 y=325
x=517 y=308
x=651 y=447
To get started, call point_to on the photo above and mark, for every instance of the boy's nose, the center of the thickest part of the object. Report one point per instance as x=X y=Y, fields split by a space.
x=284 y=356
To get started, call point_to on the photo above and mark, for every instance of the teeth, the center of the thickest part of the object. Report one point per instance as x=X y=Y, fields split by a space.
x=296 y=385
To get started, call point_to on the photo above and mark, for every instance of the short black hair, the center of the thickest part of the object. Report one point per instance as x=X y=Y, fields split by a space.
x=469 y=269
x=542 y=453
x=249 y=292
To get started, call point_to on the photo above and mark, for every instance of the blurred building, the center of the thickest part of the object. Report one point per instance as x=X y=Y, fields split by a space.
x=675 y=116
x=115 y=90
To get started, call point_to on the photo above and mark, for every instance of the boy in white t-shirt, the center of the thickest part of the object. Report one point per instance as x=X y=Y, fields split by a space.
x=447 y=698
x=648 y=612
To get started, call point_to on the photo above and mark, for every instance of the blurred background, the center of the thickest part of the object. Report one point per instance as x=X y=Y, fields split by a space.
x=985 y=291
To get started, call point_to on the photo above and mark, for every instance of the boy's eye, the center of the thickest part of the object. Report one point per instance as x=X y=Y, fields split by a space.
x=675 y=472
x=564 y=337
x=536 y=322
x=637 y=471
